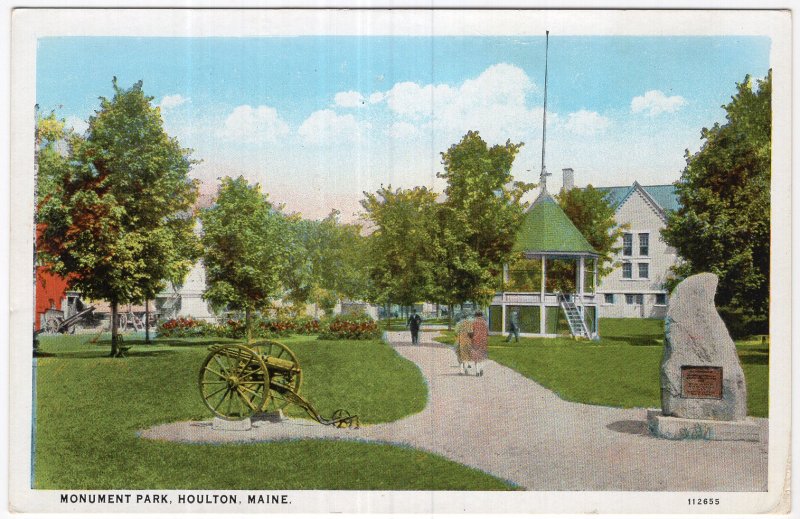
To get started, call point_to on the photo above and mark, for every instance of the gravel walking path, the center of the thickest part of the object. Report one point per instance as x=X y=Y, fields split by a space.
x=511 y=427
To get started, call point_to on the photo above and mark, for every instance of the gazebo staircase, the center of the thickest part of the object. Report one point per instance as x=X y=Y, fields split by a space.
x=575 y=320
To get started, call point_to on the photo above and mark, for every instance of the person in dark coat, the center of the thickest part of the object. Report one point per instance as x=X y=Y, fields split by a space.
x=413 y=324
x=514 y=331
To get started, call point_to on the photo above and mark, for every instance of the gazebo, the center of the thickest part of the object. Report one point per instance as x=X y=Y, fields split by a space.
x=552 y=286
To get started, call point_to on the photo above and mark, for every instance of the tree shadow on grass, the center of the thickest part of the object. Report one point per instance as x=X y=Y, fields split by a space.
x=177 y=343
x=636 y=340
x=754 y=358
x=104 y=354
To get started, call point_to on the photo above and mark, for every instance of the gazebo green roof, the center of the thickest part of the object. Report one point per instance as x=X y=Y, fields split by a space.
x=547 y=229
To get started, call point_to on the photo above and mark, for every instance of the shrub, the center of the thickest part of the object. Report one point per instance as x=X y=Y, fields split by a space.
x=351 y=326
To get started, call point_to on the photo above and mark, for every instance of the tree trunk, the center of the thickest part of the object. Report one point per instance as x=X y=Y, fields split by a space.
x=114 y=338
x=248 y=331
x=449 y=317
x=147 y=321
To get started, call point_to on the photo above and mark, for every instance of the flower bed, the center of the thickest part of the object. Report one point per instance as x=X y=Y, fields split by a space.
x=351 y=326
x=348 y=326
x=186 y=327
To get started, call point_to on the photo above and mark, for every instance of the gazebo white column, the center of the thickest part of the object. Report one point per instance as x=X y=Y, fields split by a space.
x=541 y=300
x=581 y=275
x=503 y=301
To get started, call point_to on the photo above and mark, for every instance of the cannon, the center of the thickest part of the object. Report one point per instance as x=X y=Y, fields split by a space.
x=57 y=324
x=239 y=380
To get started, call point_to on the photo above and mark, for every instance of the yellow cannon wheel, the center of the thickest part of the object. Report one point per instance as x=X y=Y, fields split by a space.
x=232 y=381
x=283 y=380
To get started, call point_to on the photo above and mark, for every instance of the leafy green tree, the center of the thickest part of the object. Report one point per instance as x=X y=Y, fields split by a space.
x=335 y=261
x=593 y=215
x=171 y=250
x=403 y=249
x=723 y=225
x=248 y=245
x=105 y=217
x=479 y=219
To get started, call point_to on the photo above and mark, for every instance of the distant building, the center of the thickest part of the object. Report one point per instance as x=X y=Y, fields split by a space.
x=636 y=287
x=186 y=300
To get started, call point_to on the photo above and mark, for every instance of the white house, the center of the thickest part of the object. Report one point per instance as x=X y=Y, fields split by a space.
x=636 y=287
x=186 y=300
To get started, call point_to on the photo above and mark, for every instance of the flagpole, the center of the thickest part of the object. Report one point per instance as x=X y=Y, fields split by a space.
x=543 y=175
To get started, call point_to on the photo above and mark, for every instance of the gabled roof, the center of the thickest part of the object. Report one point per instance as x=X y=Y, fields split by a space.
x=547 y=229
x=664 y=195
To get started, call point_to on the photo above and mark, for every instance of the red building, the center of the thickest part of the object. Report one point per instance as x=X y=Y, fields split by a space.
x=51 y=292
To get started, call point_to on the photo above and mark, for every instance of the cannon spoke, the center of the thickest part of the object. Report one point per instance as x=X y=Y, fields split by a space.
x=244 y=398
x=227 y=390
x=220 y=375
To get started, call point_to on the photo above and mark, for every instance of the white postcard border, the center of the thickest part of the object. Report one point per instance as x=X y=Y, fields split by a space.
x=28 y=25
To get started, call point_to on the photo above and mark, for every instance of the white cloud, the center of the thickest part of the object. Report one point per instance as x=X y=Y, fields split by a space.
x=326 y=125
x=584 y=122
x=77 y=124
x=171 y=101
x=376 y=97
x=350 y=99
x=655 y=102
x=248 y=124
x=409 y=99
x=402 y=130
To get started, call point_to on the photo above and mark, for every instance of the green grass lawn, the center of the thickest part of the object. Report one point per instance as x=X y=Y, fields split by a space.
x=89 y=408
x=621 y=370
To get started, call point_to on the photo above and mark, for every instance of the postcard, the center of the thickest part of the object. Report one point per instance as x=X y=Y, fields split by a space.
x=400 y=261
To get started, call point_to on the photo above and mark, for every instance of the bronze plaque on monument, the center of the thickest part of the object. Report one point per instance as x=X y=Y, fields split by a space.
x=701 y=382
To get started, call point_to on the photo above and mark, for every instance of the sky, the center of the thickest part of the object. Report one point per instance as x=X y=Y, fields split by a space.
x=319 y=120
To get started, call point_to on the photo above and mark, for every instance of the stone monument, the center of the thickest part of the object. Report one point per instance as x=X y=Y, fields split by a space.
x=703 y=390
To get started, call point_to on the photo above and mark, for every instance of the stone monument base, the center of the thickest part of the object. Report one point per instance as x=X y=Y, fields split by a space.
x=218 y=424
x=675 y=428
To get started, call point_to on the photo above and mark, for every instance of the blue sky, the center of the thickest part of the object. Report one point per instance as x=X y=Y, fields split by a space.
x=318 y=120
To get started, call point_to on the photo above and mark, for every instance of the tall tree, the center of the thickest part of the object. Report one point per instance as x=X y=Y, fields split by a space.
x=593 y=215
x=723 y=225
x=403 y=246
x=248 y=245
x=478 y=220
x=125 y=180
x=336 y=263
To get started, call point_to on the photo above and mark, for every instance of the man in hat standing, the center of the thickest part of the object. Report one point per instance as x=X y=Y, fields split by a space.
x=414 y=323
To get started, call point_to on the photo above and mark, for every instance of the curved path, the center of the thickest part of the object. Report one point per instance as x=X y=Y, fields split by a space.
x=511 y=427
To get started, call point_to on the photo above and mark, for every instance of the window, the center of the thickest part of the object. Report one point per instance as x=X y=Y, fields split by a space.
x=609 y=298
x=661 y=299
x=644 y=244
x=627 y=244
x=627 y=270
x=632 y=299
x=644 y=270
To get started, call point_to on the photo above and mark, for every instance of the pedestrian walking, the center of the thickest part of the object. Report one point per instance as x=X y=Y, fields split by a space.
x=463 y=341
x=480 y=342
x=414 y=323
x=514 y=322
